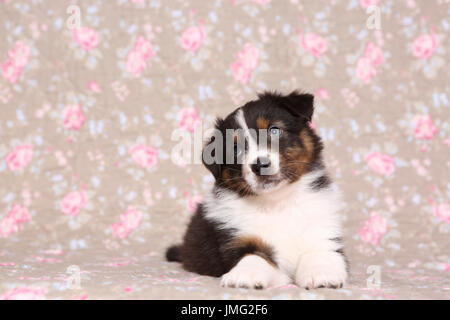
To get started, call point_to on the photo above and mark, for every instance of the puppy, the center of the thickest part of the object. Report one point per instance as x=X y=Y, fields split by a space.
x=272 y=217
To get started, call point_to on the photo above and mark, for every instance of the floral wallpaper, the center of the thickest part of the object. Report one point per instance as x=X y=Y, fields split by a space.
x=91 y=92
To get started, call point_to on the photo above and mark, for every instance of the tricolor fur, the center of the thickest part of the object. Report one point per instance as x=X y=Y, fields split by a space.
x=272 y=218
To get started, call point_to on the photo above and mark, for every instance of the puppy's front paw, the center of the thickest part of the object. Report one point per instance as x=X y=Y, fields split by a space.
x=254 y=272
x=321 y=270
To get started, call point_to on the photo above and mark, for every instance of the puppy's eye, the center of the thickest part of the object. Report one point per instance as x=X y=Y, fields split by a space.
x=275 y=131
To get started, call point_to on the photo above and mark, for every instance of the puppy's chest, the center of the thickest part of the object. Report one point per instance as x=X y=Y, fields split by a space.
x=283 y=227
x=276 y=227
x=290 y=226
x=267 y=222
x=284 y=231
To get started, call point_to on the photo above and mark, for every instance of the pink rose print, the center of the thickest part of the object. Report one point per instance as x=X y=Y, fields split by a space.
x=373 y=229
x=323 y=93
x=24 y=293
x=374 y=54
x=18 y=58
x=144 y=47
x=73 y=117
x=135 y=63
x=365 y=70
x=138 y=58
x=85 y=37
x=20 y=54
x=424 y=46
x=13 y=220
x=20 y=157
x=240 y=72
x=189 y=119
x=261 y=1
x=366 y=65
x=380 y=163
x=424 y=127
x=249 y=57
x=246 y=62
x=128 y=221
x=367 y=3
x=144 y=156
x=19 y=213
x=7 y=227
x=7 y=264
x=192 y=38
x=442 y=211
x=314 y=44
x=73 y=202
x=94 y=87
x=10 y=71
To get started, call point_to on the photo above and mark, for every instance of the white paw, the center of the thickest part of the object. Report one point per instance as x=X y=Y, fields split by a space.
x=321 y=270
x=252 y=271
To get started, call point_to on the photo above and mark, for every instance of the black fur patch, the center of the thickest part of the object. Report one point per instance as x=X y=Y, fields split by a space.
x=173 y=253
x=321 y=182
x=341 y=252
x=213 y=251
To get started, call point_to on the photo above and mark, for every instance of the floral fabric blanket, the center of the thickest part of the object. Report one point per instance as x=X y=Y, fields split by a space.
x=92 y=92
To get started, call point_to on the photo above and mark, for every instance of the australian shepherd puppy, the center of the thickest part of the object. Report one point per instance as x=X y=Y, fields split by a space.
x=273 y=216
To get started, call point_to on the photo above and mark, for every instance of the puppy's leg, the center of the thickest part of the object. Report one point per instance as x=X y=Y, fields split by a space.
x=321 y=269
x=253 y=271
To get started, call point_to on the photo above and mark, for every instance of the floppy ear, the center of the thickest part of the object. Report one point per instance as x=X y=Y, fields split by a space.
x=209 y=159
x=300 y=105
x=212 y=154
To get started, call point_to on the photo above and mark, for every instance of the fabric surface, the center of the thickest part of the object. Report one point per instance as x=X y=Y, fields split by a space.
x=91 y=190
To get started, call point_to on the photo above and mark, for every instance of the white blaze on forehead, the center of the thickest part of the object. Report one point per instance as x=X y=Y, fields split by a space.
x=241 y=121
x=251 y=153
x=254 y=151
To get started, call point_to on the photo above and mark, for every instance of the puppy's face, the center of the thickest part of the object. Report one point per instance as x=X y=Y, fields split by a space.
x=264 y=145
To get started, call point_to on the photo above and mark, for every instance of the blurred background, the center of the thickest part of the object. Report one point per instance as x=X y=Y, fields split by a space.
x=91 y=92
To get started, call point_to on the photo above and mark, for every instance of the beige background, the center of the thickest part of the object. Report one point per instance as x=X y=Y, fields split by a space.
x=355 y=119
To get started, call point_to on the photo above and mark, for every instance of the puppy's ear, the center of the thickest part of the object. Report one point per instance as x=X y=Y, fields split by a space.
x=212 y=154
x=209 y=159
x=300 y=105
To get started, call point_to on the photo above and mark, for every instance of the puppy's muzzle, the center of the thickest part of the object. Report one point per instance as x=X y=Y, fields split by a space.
x=261 y=167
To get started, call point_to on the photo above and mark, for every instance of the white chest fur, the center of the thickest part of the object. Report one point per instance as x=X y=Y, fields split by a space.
x=293 y=220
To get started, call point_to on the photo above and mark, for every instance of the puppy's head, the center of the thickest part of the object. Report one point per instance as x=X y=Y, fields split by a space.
x=264 y=145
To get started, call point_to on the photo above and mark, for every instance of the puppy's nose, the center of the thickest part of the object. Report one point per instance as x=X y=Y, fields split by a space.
x=261 y=162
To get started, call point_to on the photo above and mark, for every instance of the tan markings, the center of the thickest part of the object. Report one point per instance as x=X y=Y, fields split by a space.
x=236 y=183
x=298 y=158
x=262 y=123
x=225 y=174
x=307 y=142
x=257 y=246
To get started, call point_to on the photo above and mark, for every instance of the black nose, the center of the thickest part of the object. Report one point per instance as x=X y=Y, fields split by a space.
x=261 y=162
